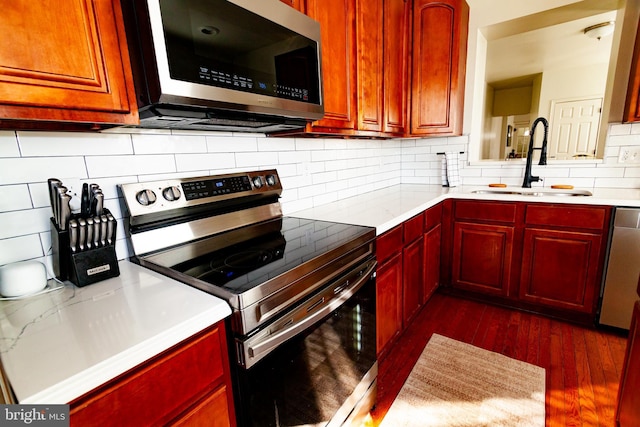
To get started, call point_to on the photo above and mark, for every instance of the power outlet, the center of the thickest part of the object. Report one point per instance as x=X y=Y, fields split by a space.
x=629 y=155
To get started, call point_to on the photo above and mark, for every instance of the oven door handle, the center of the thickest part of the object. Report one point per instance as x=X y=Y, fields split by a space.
x=315 y=310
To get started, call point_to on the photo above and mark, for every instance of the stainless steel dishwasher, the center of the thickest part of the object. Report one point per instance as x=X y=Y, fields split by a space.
x=623 y=269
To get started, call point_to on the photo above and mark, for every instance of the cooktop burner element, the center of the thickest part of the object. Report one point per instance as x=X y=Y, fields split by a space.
x=228 y=264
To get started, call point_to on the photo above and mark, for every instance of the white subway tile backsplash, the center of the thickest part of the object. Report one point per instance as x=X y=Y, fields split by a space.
x=14 y=198
x=30 y=221
x=310 y=143
x=49 y=144
x=276 y=144
x=632 y=182
x=20 y=248
x=600 y=172
x=619 y=129
x=9 y=144
x=39 y=195
x=208 y=161
x=632 y=172
x=259 y=160
x=38 y=169
x=113 y=166
x=286 y=157
x=313 y=170
x=232 y=144
x=336 y=144
x=623 y=140
x=154 y=144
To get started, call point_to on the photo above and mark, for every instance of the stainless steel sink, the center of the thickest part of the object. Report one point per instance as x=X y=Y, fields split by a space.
x=535 y=192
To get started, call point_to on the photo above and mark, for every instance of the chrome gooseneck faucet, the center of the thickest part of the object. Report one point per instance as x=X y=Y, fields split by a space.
x=528 y=178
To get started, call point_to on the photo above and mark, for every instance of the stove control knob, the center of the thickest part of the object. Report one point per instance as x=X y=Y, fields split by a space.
x=171 y=193
x=257 y=181
x=271 y=180
x=146 y=197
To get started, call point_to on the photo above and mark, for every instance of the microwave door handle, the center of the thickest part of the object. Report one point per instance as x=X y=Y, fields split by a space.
x=262 y=348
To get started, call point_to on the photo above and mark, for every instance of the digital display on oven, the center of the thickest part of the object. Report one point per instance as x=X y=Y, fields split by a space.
x=215 y=187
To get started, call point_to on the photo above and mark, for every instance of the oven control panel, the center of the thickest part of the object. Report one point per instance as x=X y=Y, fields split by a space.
x=166 y=195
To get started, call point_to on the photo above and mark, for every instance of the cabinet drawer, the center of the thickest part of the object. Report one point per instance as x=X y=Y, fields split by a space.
x=212 y=411
x=485 y=211
x=157 y=391
x=413 y=228
x=388 y=244
x=583 y=217
x=432 y=217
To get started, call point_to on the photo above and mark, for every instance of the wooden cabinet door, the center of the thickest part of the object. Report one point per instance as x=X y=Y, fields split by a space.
x=560 y=269
x=482 y=256
x=388 y=302
x=628 y=408
x=431 y=264
x=632 y=104
x=164 y=388
x=212 y=411
x=412 y=268
x=296 y=4
x=438 y=69
x=65 y=62
x=369 y=65
x=396 y=27
x=338 y=23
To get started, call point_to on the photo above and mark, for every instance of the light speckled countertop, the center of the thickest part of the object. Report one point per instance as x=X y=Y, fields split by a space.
x=390 y=206
x=59 y=345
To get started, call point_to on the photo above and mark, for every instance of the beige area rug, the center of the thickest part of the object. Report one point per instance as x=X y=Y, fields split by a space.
x=457 y=384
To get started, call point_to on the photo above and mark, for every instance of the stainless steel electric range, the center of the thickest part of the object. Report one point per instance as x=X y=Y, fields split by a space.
x=302 y=292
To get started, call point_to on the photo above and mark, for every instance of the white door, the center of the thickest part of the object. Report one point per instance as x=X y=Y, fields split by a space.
x=574 y=129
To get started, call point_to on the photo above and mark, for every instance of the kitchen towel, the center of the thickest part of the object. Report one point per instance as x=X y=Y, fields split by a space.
x=450 y=169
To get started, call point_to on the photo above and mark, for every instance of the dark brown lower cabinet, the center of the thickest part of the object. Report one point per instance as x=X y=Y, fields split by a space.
x=543 y=257
x=407 y=257
x=388 y=302
x=189 y=384
x=482 y=257
x=431 y=264
x=560 y=269
x=412 y=259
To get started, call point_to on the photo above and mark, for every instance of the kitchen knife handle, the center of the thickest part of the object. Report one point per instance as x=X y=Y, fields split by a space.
x=99 y=200
x=111 y=229
x=65 y=211
x=53 y=184
x=73 y=235
x=96 y=231
x=82 y=235
x=61 y=189
x=90 y=233
x=103 y=230
x=85 y=204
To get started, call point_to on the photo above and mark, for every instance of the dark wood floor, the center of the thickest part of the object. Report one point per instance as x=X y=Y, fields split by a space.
x=582 y=365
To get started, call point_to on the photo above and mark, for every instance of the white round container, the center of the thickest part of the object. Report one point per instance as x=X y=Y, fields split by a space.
x=22 y=278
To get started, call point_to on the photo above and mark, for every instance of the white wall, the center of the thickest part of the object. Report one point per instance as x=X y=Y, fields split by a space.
x=571 y=84
x=313 y=171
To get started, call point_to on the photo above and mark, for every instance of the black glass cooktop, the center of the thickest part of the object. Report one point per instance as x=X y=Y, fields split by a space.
x=242 y=259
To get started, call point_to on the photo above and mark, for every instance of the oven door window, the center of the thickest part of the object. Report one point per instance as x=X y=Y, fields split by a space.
x=307 y=379
x=217 y=43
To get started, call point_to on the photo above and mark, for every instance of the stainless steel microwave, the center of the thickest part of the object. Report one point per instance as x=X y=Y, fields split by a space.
x=242 y=65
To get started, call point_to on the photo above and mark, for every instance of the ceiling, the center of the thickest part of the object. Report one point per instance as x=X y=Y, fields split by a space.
x=547 y=39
